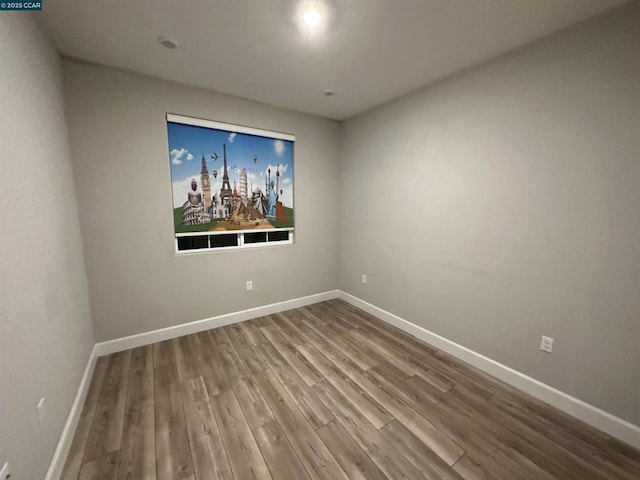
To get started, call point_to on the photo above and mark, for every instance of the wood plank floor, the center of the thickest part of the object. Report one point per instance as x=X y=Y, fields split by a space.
x=323 y=392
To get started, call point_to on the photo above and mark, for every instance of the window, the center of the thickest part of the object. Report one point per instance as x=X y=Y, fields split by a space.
x=232 y=185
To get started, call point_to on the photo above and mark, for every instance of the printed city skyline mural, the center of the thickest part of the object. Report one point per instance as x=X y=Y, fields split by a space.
x=228 y=177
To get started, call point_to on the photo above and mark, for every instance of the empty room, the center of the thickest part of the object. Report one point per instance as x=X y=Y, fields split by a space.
x=320 y=239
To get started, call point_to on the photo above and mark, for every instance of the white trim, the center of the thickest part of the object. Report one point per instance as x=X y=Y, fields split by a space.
x=575 y=407
x=600 y=419
x=140 y=339
x=246 y=246
x=69 y=430
x=229 y=127
x=112 y=346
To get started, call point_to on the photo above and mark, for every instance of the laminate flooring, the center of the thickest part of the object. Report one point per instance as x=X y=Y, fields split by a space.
x=322 y=392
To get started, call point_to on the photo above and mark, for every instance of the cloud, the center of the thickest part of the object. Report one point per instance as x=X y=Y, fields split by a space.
x=232 y=135
x=177 y=154
x=286 y=180
x=278 y=146
x=215 y=188
x=283 y=167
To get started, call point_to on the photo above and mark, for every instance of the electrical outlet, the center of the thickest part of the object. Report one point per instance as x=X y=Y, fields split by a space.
x=546 y=344
x=5 y=473
x=249 y=285
x=363 y=279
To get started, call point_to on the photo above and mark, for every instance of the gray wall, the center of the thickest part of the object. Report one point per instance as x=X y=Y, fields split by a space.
x=119 y=144
x=503 y=203
x=45 y=325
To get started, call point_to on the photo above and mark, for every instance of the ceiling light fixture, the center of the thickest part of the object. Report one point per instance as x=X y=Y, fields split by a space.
x=165 y=41
x=329 y=93
x=312 y=16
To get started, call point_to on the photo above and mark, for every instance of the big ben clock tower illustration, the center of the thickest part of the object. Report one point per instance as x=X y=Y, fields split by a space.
x=206 y=183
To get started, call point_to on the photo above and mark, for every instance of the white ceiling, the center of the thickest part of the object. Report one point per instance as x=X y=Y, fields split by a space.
x=373 y=51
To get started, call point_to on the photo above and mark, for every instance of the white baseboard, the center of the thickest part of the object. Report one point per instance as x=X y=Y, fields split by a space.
x=617 y=427
x=69 y=430
x=125 y=343
x=600 y=419
x=141 y=339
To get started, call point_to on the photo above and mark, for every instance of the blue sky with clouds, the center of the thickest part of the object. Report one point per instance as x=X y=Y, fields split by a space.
x=187 y=143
